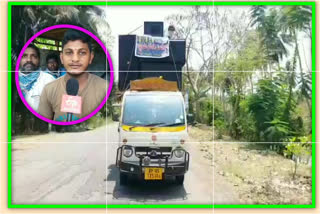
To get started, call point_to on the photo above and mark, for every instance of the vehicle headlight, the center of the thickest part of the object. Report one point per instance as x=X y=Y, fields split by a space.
x=179 y=153
x=127 y=151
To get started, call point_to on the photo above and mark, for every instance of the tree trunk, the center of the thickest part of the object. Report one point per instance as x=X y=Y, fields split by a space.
x=197 y=111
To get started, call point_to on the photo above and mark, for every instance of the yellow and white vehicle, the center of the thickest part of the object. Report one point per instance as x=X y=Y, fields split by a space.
x=152 y=132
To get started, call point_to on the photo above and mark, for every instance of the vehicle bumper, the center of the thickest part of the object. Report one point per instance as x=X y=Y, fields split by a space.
x=170 y=168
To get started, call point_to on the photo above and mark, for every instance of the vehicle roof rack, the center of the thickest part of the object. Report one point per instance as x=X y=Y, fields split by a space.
x=153 y=84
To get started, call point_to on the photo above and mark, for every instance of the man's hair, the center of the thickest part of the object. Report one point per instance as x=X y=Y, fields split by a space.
x=72 y=35
x=52 y=56
x=34 y=48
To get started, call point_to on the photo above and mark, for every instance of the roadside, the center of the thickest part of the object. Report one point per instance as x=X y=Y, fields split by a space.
x=223 y=190
x=200 y=133
x=252 y=174
x=262 y=176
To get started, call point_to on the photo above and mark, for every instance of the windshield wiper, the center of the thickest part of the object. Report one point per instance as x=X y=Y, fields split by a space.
x=132 y=127
x=154 y=124
x=172 y=124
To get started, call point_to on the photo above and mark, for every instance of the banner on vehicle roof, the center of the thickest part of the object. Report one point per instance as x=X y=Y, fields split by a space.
x=152 y=47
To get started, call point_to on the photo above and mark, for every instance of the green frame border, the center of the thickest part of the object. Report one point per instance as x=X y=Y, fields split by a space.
x=166 y=3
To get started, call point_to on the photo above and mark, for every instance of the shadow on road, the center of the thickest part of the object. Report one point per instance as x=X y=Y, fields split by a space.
x=145 y=191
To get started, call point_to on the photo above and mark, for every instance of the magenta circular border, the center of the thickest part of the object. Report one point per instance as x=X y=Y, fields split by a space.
x=18 y=83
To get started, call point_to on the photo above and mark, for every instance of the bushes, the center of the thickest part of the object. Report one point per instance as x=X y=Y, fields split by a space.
x=272 y=112
x=205 y=111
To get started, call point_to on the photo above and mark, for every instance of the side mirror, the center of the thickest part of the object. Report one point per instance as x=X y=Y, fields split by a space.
x=190 y=119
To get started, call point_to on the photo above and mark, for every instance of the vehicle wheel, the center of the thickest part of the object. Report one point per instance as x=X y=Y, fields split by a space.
x=123 y=179
x=180 y=179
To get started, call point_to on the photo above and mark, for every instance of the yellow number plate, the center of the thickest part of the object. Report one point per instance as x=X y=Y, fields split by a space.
x=153 y=173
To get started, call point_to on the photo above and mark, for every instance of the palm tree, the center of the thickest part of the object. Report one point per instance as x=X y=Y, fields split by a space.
x=295 y=19
x=267 y=22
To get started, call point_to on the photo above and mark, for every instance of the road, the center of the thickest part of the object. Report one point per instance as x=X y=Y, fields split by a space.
x=57 y=172
x=79 y=168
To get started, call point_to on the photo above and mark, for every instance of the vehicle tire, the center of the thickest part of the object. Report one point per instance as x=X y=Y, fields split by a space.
x=123 y=179
x=180 y=179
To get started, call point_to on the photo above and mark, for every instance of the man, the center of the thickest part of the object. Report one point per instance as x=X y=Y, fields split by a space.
x=52 y=61
x=76 y=56
x=31 y=79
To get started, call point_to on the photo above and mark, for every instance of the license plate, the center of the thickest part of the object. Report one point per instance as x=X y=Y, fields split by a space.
x=153 y=173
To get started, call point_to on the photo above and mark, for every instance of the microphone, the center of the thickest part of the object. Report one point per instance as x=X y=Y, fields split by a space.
x=71 y=103
x=72 y=87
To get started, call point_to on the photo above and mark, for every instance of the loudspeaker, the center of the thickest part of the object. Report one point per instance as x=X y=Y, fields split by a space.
x=132 y=67
x=153 y=29
x=127 y=60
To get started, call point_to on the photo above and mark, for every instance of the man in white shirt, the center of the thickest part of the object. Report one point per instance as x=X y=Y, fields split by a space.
x=31 y=79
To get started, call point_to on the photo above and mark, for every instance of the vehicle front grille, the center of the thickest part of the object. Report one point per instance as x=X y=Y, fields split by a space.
x=153 y=151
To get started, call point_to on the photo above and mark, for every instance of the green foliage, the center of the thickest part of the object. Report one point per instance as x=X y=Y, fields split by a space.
x=219 y=119
x=96 y=121
x=206 y=114
x=247 y=122
x=265 y=106
x=277 y=131
x=270 y=114
x=262 y=105
x=219 y=127
x=270 y=28
x=299 y=147
x=250 y=56
x=46 y=44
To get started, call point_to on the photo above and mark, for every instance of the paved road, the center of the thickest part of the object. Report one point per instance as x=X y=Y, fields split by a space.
x=58 y=172
x=82 y=171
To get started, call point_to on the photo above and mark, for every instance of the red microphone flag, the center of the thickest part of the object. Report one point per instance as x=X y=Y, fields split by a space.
x=71 y=104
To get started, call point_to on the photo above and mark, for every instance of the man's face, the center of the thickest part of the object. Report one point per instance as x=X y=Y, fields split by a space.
x=29 y=61
x=76 y=57
x=52 y=65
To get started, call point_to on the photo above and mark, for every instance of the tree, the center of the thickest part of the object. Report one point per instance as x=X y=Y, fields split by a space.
x=195 y=25
x=297 y=149
x=267 y=24
x=295 y=19
x=200 y=84
x=255 y=103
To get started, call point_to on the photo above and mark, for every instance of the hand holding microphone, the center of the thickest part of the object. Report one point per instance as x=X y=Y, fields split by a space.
x=71 y=103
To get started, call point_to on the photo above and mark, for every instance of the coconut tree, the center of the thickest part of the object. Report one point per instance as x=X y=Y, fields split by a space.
x=267 y=23
x=295 y=19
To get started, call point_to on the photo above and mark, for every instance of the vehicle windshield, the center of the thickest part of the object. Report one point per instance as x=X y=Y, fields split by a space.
x=153 y=110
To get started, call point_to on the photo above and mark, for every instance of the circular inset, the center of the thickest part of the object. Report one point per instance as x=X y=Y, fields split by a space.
x=17 y=74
